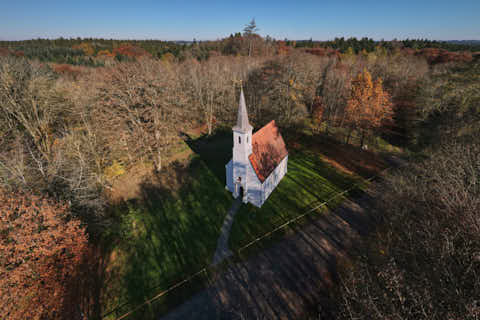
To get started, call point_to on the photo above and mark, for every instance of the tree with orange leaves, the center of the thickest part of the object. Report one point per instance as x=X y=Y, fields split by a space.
x=39 y=253
x=317 y=115
x=369 y=105
x=86 y=47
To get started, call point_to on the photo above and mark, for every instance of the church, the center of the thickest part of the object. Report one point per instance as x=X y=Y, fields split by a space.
x=259 y=161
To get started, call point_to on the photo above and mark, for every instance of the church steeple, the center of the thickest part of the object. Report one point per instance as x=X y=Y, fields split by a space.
x=242 y=117
x=242 y=134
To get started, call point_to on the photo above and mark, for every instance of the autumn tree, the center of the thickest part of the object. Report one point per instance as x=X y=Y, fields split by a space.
x=369 y=105
x=105 y=53
x=138 y=112
x=333 y=90
x=46 y=143
x=86 y=47
x=317 y=114
x=39 y=252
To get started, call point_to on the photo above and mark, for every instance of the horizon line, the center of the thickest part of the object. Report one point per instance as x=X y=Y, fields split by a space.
x=219 y=39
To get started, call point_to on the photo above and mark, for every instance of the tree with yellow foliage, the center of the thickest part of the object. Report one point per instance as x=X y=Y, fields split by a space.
x=86 y=47
x=369 y=105
x=105 y=53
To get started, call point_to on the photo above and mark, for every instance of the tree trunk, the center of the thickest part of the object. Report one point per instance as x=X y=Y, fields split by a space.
x=158 y=164
x=348 y=135
x=362 y=138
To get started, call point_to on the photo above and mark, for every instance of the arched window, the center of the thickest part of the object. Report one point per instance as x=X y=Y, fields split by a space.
x=239 y=140
x=247 y=139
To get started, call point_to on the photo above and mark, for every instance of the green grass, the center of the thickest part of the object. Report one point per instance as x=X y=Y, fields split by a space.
x=309 y=181
x=170 y=234
x=165 y=237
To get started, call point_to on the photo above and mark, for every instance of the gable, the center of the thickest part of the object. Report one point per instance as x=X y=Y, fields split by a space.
x=268 y=150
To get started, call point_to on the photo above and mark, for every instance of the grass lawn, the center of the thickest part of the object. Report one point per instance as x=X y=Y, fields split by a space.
x=309 y=181
x=163 y=237
x=171 y=232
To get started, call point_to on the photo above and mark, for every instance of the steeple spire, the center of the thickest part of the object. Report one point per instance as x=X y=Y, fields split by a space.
x=242 y=116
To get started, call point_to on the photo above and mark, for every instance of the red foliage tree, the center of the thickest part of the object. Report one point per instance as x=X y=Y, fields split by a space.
x=283 y=48
x=130 y=51
x=39 y=253
x=436 y=55
x=66 y=69
x=4 y=52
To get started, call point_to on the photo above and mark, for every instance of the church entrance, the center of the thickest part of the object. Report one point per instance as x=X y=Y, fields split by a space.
x=240 y=194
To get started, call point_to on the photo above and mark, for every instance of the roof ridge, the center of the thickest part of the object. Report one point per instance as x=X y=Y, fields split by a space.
x=268 y=150
x=265 y=126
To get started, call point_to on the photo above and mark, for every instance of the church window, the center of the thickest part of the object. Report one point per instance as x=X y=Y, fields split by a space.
x=247 y=139
x=239 y=140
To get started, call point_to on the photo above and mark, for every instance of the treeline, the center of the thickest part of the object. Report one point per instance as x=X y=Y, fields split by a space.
x=84 y=51
x=155 y=48
x=80 y=50
x=368 y=44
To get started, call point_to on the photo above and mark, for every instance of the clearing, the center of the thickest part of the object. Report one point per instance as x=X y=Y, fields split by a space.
x=168 y=228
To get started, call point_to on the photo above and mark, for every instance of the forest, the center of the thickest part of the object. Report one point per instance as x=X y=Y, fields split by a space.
x=76 y=114
x=93 y=52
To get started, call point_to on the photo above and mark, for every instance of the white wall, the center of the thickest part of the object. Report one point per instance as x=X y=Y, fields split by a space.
x=229 y=174
x=274 y=179
x=257 y=193
x=241 y=150
x=254 y=187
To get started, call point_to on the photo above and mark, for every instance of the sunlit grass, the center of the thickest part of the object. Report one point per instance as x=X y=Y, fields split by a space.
x=309 y=181
x=171 y=234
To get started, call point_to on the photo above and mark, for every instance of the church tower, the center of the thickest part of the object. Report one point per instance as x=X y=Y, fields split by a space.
x=242 y=145
x=242 y=133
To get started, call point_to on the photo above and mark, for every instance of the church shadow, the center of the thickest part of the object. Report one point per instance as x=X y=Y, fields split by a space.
x=215 y=150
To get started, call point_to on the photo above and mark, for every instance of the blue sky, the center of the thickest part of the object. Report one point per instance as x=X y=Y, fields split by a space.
x=185 y=20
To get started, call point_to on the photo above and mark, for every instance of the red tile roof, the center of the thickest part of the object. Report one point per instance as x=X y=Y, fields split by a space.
x=268 y=150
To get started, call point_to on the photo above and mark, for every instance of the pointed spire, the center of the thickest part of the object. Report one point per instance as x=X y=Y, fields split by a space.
x=242 y=116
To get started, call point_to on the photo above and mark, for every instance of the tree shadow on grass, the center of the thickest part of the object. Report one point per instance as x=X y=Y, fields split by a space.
x=83 y=288
x=364 y=163
x=167 y=234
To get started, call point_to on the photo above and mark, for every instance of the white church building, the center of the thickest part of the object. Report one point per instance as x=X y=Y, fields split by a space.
x=259 y=161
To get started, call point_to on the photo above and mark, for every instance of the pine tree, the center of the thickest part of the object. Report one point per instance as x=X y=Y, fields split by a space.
x=249 y=31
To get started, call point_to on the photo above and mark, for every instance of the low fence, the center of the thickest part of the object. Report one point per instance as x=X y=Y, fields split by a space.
x=182 y=290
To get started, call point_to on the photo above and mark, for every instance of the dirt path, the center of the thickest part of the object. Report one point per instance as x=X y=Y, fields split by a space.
x=222 y=250
x=287 y=280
